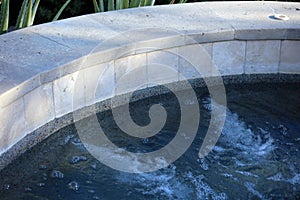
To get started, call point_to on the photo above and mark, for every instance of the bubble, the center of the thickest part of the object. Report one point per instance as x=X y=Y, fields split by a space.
x=91 y=191
x=94 y=166
x=68 y=138
x=206 y=103
x=57 y=174
x=6 y=186
x=41 y=184
x=145 y=141
x=45 y=176
x=73 y=186
x=42 y=167
x=77 y=159
x=27 y=189
x=283 y=129
x=76 y=142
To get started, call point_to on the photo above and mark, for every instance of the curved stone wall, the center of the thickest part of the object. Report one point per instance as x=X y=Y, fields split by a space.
x=46 y=68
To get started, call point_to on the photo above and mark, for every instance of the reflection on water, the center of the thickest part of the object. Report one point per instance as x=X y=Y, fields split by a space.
x=257 y=155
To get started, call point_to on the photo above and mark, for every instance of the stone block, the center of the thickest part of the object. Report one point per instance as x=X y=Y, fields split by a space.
x=19 y=91
x=39 y=106
x=162 y=67
x=99 y=82
x=130 y=74
x=12 y=124
x=290 y=57
x=68 y=93
x=229 y=57
x=195 y=61
x=262 y=56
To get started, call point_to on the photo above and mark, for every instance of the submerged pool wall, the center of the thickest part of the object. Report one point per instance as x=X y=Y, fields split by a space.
x=41 y=65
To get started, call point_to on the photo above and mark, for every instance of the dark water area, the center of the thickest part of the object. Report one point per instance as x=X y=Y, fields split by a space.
x=256 y=157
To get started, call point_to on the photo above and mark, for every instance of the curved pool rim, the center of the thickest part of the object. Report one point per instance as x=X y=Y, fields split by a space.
x=39 y=63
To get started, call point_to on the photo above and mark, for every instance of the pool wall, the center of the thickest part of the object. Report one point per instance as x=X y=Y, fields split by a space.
x=41 y=65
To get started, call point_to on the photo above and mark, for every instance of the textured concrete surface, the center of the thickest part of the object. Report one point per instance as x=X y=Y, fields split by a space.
x=195 y=60
x=262 y=56
x=229 y=57
x=162 y=66
x=48 y=71
x=99 y=82
x=130 y=73
x=64 y=93
x=39 y=106
x=289 y=57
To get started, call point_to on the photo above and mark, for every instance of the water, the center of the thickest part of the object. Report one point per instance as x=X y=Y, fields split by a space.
x=256 y=157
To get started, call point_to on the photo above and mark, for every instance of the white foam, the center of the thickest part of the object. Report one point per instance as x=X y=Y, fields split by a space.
x=218 y=149
x=244 y=146
x=239 y=163
x=279 y=178
x=168 y=184
x=283 y=129
x=238 y=136
x=230 y=176
x=276 y=177
x=203 y=190
x=250 y=188
x=247 y=173
x=295 y=180
x=123 y=160
x=203 y=163
x=164 y=183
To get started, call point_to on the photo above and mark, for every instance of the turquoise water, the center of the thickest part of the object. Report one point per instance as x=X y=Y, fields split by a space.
x=256 y=157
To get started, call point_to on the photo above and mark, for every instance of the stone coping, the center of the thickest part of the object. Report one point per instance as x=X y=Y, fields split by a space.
x=39 y=64
x=40 y=54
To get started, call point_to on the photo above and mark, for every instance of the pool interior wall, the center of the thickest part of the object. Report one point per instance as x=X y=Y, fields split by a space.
x=48 y=129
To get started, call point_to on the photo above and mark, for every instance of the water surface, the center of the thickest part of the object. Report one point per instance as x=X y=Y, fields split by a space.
x=256 y=157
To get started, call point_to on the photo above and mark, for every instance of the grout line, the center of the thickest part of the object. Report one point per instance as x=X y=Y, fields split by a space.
x=245 y=57
x=53 y=100
x=279 y=62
